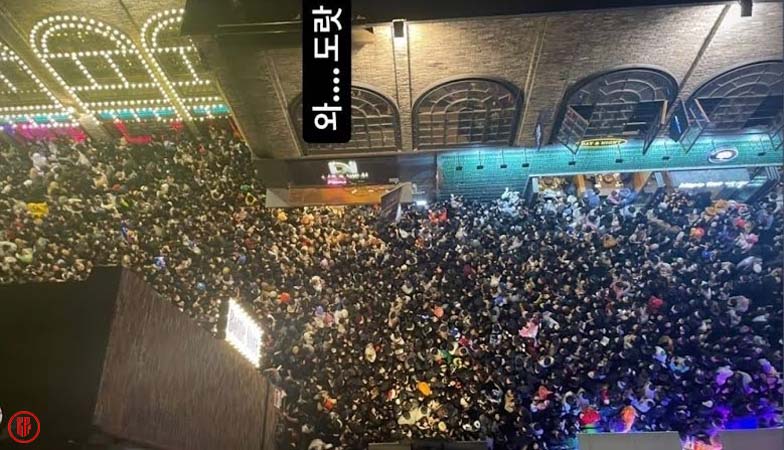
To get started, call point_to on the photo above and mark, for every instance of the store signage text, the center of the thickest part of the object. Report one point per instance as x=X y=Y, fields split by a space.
x=713 y=185
x=344 y=172
x=602 y=142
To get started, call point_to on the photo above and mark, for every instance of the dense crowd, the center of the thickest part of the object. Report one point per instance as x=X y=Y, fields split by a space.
x=174 y=210
x=462 y=321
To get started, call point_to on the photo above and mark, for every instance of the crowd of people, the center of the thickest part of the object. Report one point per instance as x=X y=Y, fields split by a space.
x=500 y=320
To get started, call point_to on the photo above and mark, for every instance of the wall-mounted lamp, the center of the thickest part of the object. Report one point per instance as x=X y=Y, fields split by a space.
x=745 y=8
x=399 y=28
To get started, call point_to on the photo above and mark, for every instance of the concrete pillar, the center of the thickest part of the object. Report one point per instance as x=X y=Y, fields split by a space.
x=639 y=179
x=579 y=182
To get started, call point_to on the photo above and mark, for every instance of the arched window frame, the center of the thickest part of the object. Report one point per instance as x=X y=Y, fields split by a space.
x=375 y=117
x=731 y=99
x=615 y=100
x=451 y=121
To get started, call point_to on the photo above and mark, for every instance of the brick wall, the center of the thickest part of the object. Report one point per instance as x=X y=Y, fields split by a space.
x=739 y=41
x=541 y=54
x=250 y=81
x=577 y=46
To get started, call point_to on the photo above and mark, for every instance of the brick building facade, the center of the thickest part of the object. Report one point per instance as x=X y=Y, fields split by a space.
x=543 y=55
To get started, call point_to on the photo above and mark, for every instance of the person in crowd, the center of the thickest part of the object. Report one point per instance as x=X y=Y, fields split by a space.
x=521 y=323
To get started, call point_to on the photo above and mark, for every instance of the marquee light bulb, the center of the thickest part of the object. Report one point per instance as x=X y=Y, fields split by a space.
x=53 y=108
x=123 y=46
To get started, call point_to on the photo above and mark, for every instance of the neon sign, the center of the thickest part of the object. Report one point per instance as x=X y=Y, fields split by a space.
x=602 y=142
x=342 y=173
x=722 y=155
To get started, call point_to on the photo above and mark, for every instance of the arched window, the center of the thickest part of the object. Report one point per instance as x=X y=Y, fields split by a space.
x=375 y=124
x=627 y=103
x=746 y=98
x=24 y=99
x=101 y=68
x=465 y=112
x=179 y=62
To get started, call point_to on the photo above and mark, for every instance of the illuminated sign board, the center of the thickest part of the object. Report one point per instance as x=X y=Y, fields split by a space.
x=602 y=142
x=722 y=155
x=243 y=333
x=712 y=184
x=342 y=173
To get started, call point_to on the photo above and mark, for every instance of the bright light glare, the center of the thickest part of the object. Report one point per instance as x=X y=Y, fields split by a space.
x=243 y=333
